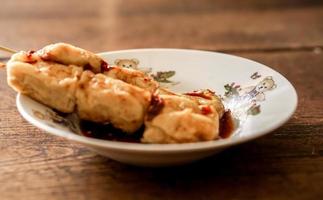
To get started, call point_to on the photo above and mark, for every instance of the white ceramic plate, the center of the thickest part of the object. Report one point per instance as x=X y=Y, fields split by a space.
x=260 y=99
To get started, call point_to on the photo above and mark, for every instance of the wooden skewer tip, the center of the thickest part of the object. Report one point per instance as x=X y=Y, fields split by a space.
x=6 y=49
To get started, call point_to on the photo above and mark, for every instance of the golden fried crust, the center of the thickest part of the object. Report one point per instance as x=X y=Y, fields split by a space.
x=164 y=91
x=177 y=103
x=133 y=77
x=206 y=98
x=52 y=84
x=68 y=54
x=107 y=100
x=179 y=119
x=180 y=127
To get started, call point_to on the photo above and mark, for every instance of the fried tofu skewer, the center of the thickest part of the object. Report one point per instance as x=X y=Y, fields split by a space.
x=70 y=79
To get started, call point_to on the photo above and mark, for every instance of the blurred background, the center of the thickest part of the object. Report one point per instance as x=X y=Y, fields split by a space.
x=286 y=35
x=223 y=25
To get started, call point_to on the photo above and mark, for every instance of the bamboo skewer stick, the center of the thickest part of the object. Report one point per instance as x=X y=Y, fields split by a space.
x=6 y=49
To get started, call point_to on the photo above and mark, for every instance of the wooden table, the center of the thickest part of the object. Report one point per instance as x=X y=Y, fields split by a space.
x=286 y=35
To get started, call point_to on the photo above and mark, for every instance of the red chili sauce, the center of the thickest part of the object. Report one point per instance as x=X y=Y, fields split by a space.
x=108 y=132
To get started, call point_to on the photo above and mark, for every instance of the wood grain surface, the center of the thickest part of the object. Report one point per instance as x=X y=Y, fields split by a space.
x=286 y=35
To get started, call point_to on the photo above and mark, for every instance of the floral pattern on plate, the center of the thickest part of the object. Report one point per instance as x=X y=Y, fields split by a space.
x=56 y=119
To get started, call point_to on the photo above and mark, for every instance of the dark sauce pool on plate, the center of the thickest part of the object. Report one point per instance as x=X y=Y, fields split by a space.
x=108 y=132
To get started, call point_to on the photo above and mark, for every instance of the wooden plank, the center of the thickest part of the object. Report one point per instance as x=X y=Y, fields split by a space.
x=110 y=25
x=287 y=164
x=72 y=8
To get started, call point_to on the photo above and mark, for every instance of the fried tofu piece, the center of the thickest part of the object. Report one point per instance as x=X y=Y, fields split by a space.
x=180 y=127
x=70 y=55
x=162 y=91
x=50 y=83
x=106 y=100
x=133 y=77
x=179 y=119
x=51 y=74
x=207 y=101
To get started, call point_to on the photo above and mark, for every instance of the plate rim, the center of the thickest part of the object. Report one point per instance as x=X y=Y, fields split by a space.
x=163 y=148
